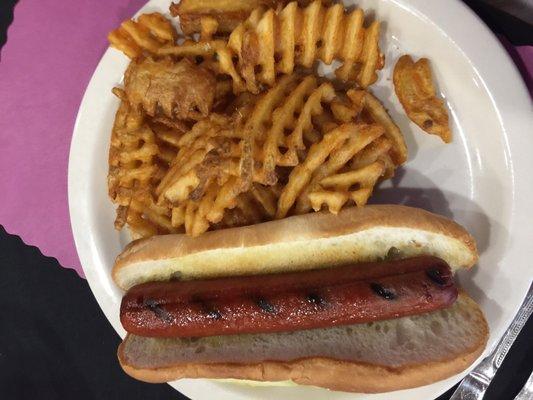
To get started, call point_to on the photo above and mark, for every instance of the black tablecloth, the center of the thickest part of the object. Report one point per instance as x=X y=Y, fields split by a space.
x=55 y=342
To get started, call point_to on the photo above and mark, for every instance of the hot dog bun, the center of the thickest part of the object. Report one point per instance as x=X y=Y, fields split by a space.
x=307 y=241
x=376 y=357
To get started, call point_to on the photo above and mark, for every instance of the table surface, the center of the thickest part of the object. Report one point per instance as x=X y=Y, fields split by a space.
x=55 y=342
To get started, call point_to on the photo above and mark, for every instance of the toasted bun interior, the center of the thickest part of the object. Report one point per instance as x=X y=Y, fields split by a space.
x=315 y=240
x=373 y=357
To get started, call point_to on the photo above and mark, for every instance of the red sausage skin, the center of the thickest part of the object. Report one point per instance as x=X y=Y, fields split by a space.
x=291 y=301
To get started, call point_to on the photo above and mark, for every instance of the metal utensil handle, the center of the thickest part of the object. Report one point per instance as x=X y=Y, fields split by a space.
x=520 y=319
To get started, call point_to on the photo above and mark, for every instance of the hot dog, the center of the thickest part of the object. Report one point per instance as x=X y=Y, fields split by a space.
x=288 y=302
x=361 y=301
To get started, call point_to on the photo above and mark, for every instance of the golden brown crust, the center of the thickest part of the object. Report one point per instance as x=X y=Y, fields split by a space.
x=330 y=374
x=324 y=372
x=227 y=13
x=306 y=227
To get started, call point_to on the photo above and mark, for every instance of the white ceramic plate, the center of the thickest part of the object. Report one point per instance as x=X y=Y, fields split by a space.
x=482 y=180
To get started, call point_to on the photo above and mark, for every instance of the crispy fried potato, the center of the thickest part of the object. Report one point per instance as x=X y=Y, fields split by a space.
x=338 y=188
x=272 y=42
x=363 y=136
x=295 y=147
x=137 y=162
x=172 y=89
x=302 y=173
x=300 y=36
x=227 y=13
x=379 y=114
x=416 y=91
x=147 y=34
x=290 y=121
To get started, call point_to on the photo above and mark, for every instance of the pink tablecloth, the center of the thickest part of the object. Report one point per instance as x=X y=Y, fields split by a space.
x=51 y=51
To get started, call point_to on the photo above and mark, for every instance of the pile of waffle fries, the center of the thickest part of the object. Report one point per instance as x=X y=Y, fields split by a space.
x=231 y=125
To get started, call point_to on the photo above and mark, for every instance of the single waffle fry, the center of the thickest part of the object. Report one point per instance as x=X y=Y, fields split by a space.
x=364 y=178
x=360 y=137
x=304 y=127
x=159 y=26
x=260 y=118
x=392 y=132
x=265 y=62
x=328 y=45
x=416 y=91
x=192 y=49
x=149 y=33
x=301 y=174
x=227 y=13
x=172 y=89
x=283 y=119
x=305 y=35
x=132 y=155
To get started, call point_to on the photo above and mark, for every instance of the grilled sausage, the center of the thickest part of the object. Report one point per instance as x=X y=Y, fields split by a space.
x=287 y=302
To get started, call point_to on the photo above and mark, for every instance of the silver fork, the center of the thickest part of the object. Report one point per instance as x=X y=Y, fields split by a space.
x=475 y=384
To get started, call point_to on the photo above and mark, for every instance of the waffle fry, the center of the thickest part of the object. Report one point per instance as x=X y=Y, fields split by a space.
x=271 y=42
x=362 y=137
x=227 y=13
x=179 y=90
x=364 y=178
x=132 y=155
x=146 y=35
x=290 y=122
x=288 y=150
x=226 y=198
x=301 y=174
x=300 y=36
x=417 y=93
x=138 y=159
x=378 y=114
x=229 y=128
